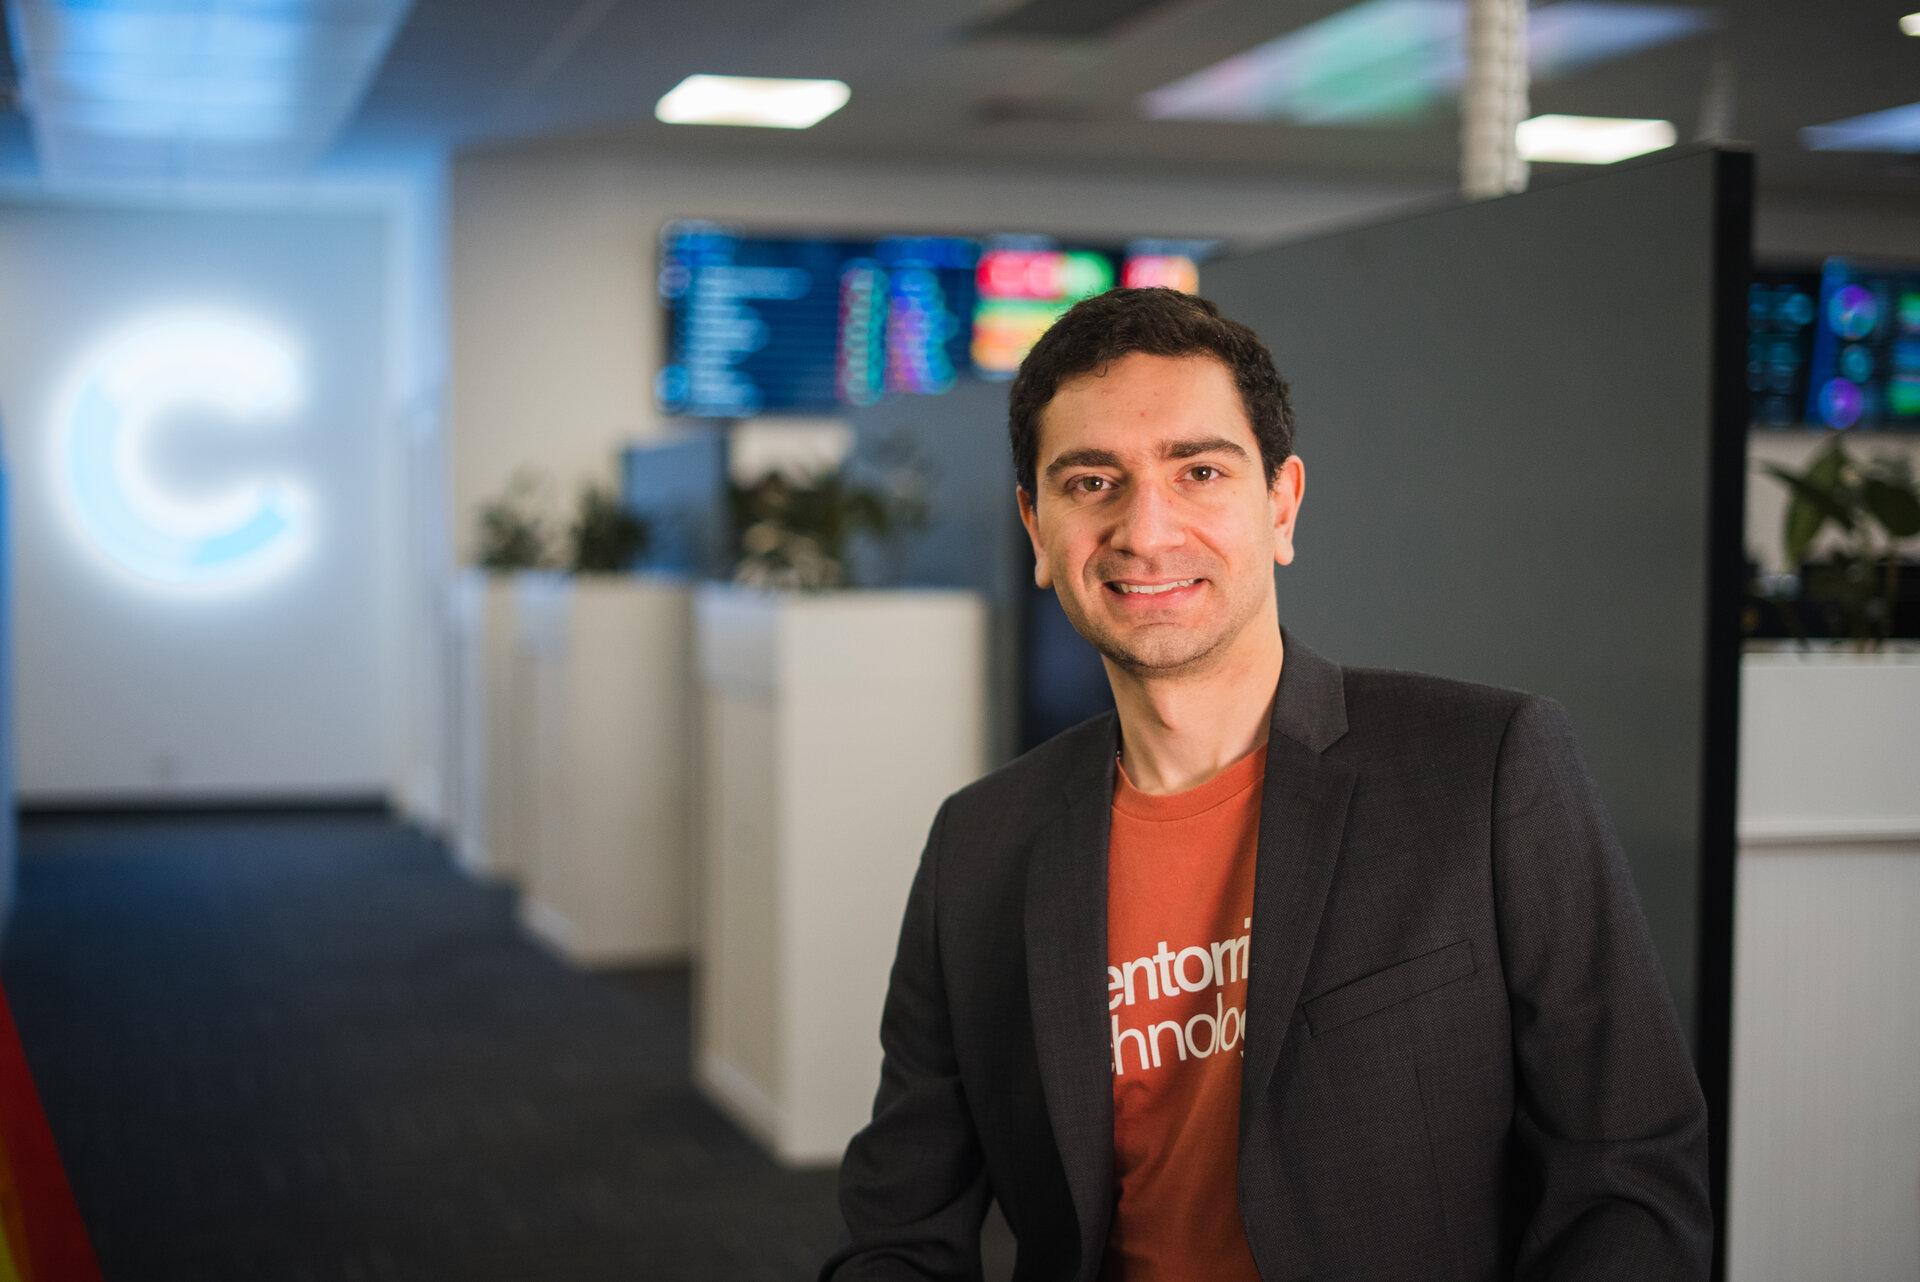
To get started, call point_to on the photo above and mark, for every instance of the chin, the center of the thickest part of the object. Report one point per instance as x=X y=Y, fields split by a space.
x=1162 y=658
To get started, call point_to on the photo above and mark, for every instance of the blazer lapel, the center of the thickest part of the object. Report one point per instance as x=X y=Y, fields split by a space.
x=1303 y=812
x=1066 y=937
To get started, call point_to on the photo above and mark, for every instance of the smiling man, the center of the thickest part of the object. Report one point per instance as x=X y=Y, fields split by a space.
x=1283 y=969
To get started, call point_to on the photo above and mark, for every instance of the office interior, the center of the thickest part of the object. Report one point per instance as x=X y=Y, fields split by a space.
x=460 y=801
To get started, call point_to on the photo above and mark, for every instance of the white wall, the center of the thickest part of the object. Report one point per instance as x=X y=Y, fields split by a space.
x=416 y=581
x=128 y=692
x=555 y=324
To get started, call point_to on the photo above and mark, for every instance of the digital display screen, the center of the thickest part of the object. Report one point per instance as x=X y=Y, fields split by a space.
x=1865 y=367
x=799 y=324
x=1781 y=309
x=808 y=324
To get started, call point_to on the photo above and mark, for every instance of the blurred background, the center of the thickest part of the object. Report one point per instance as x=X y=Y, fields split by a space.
x=509 y=538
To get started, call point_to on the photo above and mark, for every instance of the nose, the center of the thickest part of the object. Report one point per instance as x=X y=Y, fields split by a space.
x=1147 y=521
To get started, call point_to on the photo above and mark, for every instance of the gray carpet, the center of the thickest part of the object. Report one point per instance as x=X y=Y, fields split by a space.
x=304 y=1047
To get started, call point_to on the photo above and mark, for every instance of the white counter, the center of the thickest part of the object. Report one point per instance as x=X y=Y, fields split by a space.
x=1824 y=1147
x=608 y=766
x=835 y=724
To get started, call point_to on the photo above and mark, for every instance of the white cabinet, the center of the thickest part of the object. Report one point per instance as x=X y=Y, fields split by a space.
x=1824 y=1138
x=835 y=724
x=607 y=766
x=487 y=712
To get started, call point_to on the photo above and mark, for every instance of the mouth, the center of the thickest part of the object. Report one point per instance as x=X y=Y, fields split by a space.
x=1155 y=592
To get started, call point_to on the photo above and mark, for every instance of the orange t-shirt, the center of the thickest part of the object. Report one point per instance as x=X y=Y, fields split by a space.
x=1179 y=920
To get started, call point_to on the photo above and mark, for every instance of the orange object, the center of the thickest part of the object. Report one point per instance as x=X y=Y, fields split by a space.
x=42 y=1238
x=1179 y=911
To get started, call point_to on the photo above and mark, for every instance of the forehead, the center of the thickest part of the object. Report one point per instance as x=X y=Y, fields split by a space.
x=1140 y=401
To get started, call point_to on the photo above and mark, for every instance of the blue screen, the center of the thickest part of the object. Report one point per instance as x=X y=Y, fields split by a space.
x=762 y=325
x=1865 y=369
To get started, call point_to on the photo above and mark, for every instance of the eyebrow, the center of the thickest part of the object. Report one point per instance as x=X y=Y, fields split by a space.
x=1172 y=450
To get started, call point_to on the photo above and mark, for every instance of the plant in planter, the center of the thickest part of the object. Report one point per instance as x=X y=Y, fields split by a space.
x=514 y=533
x=1875 y=506
x=605 y=538
x=796 y=532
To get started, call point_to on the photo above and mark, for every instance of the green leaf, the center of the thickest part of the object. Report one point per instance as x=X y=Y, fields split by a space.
x=1895 y=507
x=1826 y=470
x=1809 y=508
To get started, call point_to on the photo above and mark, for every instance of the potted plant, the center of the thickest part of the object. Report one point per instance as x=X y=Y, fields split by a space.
x=514 y=530
x=515 y=543
x=797 y=532
x=605 y=537
x=1874 y=506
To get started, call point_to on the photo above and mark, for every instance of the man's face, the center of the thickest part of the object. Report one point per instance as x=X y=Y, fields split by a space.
x=1149 y=477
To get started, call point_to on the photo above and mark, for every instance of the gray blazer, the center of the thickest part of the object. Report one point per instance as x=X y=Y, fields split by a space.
x=1461 y=1060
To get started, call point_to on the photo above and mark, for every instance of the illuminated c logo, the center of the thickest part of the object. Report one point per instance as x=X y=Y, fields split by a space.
x=119 y=396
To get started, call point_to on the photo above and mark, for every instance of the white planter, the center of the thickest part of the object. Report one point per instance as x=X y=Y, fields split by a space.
x=835 y=724
x=486 y=731
x=1829 y=744
x=609 y=767
x=1824 y=1140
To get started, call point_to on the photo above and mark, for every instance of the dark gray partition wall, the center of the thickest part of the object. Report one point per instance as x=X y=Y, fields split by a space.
x=1523 y=425
x=677 y=484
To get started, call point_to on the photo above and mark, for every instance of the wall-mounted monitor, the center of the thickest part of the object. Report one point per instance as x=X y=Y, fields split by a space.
x=800 y=324
x=1025 y=282
x=1865 y=367
x=1782 y=306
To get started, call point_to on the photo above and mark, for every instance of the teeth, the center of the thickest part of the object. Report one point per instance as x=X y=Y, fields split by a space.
x=1160 y=587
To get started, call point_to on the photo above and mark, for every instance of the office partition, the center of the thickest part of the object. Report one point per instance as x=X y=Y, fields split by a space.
x=1523 y=423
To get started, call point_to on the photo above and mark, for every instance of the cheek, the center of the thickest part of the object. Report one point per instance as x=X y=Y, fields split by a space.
x=1070 y=550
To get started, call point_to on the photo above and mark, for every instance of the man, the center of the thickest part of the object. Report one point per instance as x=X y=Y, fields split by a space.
x=1285 y=969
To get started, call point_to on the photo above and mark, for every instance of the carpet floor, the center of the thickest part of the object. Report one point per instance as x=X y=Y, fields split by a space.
x=304 y=1047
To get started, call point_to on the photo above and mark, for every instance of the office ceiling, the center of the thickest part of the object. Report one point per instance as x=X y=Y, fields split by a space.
x=1055 y=84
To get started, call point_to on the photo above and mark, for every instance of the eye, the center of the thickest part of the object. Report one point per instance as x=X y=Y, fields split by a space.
x=1211 y=471
x=1085 y=484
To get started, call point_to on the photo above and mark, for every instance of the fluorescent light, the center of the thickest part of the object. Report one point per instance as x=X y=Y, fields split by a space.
x=1895 y=129
x=1590 y=140
x=192 y=88
x=1911 y=24
x=744 y=100
x=1383 y=60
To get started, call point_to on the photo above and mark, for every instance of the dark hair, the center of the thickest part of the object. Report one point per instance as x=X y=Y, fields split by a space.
x=1097 y=331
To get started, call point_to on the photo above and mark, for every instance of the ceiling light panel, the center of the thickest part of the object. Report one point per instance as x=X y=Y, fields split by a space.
x=1896 y=129
x=1590 y=140
x=193 y=88
x=753 y=101
x=1387 y=60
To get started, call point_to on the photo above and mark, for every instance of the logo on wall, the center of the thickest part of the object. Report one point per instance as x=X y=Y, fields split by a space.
x=120 y=402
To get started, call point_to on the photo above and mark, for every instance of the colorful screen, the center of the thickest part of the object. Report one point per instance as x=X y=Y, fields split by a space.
x=1865 y=370
x=1781 y=309
x=769 y=325
x=797 y=325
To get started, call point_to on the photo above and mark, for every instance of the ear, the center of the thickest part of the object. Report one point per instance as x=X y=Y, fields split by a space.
x=1283 y=498
x=1042 y=576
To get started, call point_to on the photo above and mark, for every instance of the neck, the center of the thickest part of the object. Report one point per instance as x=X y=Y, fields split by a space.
x=1177 y=732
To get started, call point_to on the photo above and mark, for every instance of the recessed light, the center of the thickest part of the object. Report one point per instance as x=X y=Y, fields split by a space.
x=747 y=100
x=1911 y=24
x=1590 y=140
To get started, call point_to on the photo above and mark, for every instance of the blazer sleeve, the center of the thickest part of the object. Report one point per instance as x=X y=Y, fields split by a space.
x=1608 y=1108
x=913 y=1185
